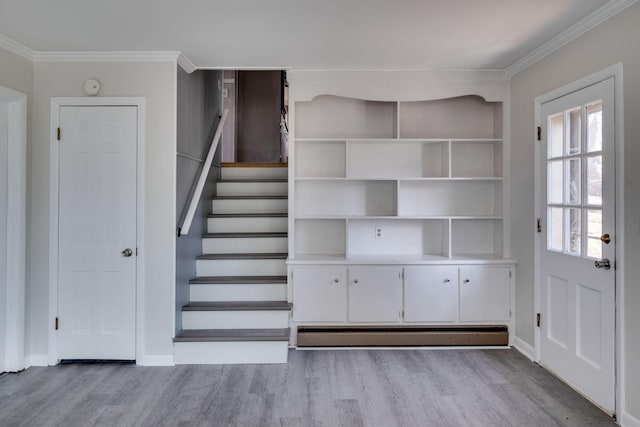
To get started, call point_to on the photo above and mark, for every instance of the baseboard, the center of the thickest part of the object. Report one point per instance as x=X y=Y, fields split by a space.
x=629 y=420
x=524 y=348
x=156 y=360
x=36 y=360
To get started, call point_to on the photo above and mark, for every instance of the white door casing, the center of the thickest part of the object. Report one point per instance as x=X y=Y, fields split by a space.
x=13 y=126
x=577 y=207
x=4 y=122
x=97 y=226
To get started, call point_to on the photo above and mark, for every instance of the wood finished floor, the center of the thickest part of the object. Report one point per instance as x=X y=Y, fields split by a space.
x=316 y=388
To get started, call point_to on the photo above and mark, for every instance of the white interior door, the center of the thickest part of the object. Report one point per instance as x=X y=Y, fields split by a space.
x=577 y=335
x=97 y=233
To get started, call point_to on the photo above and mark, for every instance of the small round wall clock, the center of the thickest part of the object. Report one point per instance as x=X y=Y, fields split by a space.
x=91 y=86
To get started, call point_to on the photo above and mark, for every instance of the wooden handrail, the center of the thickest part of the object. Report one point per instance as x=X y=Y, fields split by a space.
x=202 y=179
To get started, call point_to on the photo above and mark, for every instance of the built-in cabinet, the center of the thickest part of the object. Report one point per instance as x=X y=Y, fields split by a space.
x=401 y=294
x=397 y=210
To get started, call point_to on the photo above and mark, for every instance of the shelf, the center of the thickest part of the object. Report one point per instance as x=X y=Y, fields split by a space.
x=396 y=217
x=397 y=159
x=464 y=117
x=399 y=260
x=320 y=159
x=345 y=198
x=450 y=198
x=320 y=237
x=345 y=117
x=475 y=238
x=407 y=237
x=429 y=174
x=457 y=178
x=476 y=159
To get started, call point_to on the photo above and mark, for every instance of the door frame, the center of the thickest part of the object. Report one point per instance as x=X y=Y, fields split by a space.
x=615 y=72
x=54 y=192
x=14 y=357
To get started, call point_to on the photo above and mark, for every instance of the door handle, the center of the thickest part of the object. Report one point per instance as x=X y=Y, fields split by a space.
x=605 y=238
x=127 y=252
x=603 y=263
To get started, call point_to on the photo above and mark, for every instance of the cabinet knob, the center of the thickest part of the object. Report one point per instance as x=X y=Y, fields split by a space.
x=336 y=280
x=446 y=281
x=355 y=281
x=466 y=281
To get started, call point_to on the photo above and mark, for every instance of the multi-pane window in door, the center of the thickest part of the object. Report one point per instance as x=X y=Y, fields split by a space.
x=574 y=181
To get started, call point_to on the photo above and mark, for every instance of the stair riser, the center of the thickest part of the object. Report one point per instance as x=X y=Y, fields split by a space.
x=238 y=292
x=249 y=225
x=254 y=173
x=242 y=319
x=241 y=267
x=240 y=245
x=215 y=353
x=250 y=206
x=252 y=189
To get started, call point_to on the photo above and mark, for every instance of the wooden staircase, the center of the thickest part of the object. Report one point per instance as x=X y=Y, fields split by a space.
x=238 y=310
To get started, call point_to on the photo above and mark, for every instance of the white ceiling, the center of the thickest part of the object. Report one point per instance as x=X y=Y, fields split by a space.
x=300 y=34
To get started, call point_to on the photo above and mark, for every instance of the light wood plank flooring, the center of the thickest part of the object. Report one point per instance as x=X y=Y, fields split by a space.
x=316 y=388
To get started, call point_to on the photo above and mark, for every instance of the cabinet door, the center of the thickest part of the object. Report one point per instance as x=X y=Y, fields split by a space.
x=375 y=294
x=484 y=294
x=431 y=294
x=320 y=294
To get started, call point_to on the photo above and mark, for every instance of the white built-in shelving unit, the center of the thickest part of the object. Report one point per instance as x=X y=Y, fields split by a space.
x=402 y=183
x=413 y=189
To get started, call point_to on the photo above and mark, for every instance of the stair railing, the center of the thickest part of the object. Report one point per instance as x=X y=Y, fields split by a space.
x=202 y=179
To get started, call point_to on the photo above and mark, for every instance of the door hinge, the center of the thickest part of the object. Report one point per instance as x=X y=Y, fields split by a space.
x=58 y=135
x=509 y=274
x=539 y=137
x=539 y=225
x=136 y=251
x=538 y=320
x=57 y=323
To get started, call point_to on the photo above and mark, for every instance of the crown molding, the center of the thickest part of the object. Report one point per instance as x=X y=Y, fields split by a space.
x=106 y=56
x=596 y=18
x=186 y=64
x=16 y=48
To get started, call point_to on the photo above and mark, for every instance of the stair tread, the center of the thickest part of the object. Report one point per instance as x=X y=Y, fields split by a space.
x=237 y=306
x=204 y=335
x=243 y=234
x=253 y=180
x=279 y=255
x=250 y=215
x=258 y=197
x=224 y=280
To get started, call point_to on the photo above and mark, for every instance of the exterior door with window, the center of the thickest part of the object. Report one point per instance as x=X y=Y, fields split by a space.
x=577 y=335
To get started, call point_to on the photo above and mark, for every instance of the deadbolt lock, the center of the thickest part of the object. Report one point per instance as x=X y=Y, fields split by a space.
x=605 y=238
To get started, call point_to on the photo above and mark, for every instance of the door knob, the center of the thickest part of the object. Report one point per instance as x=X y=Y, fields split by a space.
x=605 y=238
x=127 y=253
x=603 y=263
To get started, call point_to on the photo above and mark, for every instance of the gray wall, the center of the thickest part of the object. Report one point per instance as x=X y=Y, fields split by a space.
x=614 y=41
x=258 y=116
x=199 y=108
x=156 y=82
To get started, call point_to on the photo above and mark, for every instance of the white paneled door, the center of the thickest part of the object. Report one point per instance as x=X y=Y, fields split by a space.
x=97 y=232
x=577 y=328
